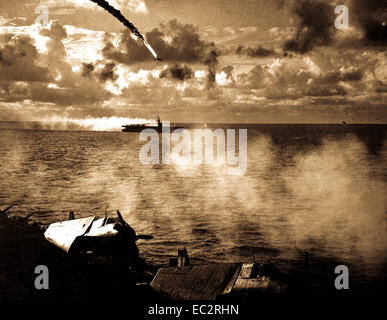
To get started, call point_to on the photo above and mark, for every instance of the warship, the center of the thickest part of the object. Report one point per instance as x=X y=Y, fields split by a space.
x=140 y=127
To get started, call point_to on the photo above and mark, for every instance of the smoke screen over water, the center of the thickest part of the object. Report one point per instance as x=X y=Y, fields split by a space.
x=303 y=191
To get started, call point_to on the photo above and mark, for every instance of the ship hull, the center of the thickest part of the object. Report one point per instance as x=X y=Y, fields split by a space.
x=141 y=128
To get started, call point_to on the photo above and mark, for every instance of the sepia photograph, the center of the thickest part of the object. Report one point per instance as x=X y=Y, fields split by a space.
x=193 y=158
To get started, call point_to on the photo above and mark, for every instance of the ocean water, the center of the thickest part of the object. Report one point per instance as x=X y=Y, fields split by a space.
x=319 y=189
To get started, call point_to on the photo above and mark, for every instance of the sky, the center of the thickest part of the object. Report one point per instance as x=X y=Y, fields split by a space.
x=250 y=61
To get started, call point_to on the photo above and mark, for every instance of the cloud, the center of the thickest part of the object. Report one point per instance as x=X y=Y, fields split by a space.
x=137 y=6
x=107 y=73
x=368 y=24
x=87 y=69
x=316 y=19
x=81 y=73
x=55 y=31
x=18 y=61
x=172 y=41
x=103 y=72
x=372 y=17
x=317 y=79
x=82 y=93
x=258 y=51
x=228 y=71
x=83 y=44
x=298 y=78
x=178 y=72
x=27 y=75
x=3 y=21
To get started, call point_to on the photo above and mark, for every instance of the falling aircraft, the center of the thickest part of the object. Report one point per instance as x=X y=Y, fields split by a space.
x=120 y=17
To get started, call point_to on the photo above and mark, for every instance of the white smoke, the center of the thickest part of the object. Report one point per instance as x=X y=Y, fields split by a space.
x=92 y=124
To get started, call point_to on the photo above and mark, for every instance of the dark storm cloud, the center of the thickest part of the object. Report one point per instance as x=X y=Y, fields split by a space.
x=372 y=17
x=13 y=91
x=315 y=27
x=173 y=42
x=257 y=52
x=104 y=74
x=56 y=31
x=228 y=71
x=107 y=73
x=333 y=77
x=178 y=72
x=87 y=69
x=18 y=61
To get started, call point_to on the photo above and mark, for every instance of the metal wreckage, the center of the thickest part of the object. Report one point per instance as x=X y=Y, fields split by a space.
x=108 y=246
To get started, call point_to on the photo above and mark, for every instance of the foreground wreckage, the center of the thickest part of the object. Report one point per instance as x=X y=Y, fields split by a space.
x=107 y=253
x=182 y=281
x=107 y=240
x=94 y=240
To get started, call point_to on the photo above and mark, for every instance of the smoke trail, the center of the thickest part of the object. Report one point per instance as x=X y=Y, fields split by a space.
x=315 y=28
x=372 y=16
x=211 y=61
x=118 y=15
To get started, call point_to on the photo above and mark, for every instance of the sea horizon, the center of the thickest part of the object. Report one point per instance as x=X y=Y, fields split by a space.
x=64 y=126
